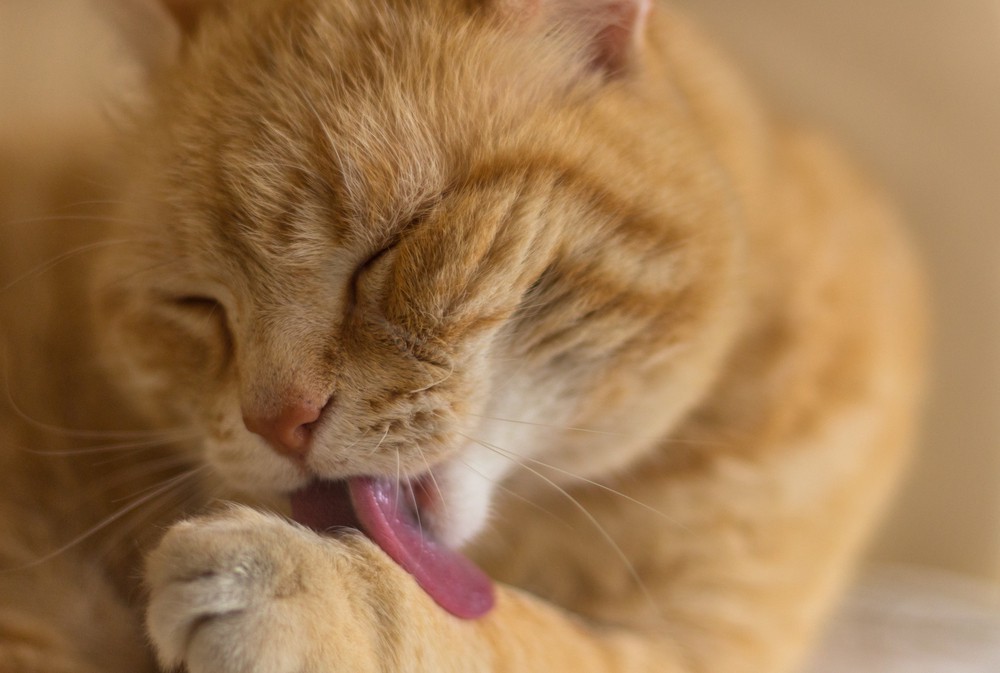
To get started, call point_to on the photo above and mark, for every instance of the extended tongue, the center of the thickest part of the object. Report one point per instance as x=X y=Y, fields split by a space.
x=381 y=509
x=453 y=581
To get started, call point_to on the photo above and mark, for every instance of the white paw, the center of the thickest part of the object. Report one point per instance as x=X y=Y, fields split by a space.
x=246 y=592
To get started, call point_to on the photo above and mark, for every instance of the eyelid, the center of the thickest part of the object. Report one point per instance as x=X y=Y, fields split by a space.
x=375 y=258
x=367 y=264
x=198 y=302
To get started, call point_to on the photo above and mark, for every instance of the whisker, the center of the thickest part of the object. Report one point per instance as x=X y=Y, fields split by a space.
x=570 y=428
x=164 y=488
x=596 y=484
x=60 y=258
x=384 y=435
x=451 y=371
x=146 y=469
x=150 y=269
x=602 y=531
x=515 y=494
x=360 y=439
x=68 y=219
x=413 y=501
x=176 y=500
x=396 y=506
x=128 y=474
x=114 y=448
x=554 y=427
x=73 y=432
x=437 y=487
x=72 y=205
x=136 y=455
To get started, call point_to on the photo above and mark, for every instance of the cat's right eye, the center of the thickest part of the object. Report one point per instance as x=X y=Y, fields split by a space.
x=202 y=316
x=198 y=303
x=203 y=308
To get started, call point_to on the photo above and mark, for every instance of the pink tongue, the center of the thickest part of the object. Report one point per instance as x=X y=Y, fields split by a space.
x=381 y=508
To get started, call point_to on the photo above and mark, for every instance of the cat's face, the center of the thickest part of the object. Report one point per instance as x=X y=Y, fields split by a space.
x=376 y=240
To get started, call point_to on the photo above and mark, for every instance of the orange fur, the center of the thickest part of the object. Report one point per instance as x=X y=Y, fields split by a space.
x=684 y=339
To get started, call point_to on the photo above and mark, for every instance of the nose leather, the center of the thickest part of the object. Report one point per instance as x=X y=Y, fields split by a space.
x=289 y=430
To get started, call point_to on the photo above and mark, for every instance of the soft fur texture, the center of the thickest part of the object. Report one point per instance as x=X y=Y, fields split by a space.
x=660 y=353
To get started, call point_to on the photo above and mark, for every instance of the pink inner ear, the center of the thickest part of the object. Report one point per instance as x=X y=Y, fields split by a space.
x=614 y=27
x=186 y=12
x=621 y=25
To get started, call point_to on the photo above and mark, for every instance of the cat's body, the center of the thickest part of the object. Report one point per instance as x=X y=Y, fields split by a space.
x=387 y=239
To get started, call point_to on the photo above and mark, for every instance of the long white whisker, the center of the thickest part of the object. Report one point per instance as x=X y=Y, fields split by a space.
x=59 y=259
x=596 y=484
x=554 y=427
x=357 y=441
x=413 y=501
x=170 y=484
x=67 y=218
x=515 y=494
x=384 y=435
x=430 y=385
x=73 y=432
x=569 y=428
x=437 y=487
x=166 y=439
x=602 y=531
x=398 y=473
x=131 y=473
x=145 y=469
x=167 y=502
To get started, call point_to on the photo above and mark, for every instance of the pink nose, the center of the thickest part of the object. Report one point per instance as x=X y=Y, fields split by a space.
x=288 y=431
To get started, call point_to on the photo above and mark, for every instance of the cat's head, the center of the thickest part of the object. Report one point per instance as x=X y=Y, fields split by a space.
x=391 y=238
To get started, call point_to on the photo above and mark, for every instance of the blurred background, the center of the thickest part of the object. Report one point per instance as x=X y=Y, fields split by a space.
x=912 y=87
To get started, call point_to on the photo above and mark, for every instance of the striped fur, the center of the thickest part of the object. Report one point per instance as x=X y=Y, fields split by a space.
x=662 y=353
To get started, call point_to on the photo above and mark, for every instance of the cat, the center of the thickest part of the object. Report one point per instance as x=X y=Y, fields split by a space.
x=516 y=334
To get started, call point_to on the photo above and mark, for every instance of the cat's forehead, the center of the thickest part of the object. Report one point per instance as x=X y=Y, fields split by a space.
x=356 y=117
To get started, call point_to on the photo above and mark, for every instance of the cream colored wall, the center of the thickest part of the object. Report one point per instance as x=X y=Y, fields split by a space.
x=914 y=87
x=54 y=56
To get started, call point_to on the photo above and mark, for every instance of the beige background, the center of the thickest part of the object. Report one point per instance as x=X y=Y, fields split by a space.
x=912 y=85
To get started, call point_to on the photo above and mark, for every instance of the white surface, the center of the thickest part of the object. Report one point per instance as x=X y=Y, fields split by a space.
x=909 y=621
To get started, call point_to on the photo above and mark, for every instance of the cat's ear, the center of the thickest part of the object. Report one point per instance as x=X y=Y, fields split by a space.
x=187 y=13
x=613 y=29
x=155 y=30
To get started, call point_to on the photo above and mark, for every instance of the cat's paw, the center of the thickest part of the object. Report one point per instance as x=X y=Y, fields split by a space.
x=246 y=592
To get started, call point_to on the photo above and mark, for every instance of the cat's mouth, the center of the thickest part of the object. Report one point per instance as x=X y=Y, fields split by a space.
x=388 y=512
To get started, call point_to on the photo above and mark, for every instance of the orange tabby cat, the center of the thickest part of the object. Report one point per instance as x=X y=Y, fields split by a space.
x=533 y=279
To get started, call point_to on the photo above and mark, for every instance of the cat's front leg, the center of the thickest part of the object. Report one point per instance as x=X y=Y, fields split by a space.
x=247 y=592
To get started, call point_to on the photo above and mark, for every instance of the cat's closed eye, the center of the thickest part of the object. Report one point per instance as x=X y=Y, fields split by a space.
x=198 y=304
x=200 y=309
x=199 y=317
x=368 y=268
